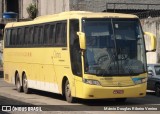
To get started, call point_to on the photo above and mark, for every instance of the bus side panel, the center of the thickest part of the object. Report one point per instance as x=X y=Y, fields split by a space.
x=9 y=72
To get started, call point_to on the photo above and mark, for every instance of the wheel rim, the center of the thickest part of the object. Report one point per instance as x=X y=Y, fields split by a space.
x=25 y=83
x=18 y=84
x=68 y=91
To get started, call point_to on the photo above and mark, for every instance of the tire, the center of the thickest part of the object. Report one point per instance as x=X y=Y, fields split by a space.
x=121 y=100
x=68 y=95
x=18 y=84
x=157 y=90
x=25 y=85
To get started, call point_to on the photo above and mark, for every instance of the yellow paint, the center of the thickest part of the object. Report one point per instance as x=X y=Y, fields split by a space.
x=153 y=41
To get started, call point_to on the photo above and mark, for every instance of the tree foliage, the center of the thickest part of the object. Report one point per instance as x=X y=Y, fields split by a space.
x=32 y=11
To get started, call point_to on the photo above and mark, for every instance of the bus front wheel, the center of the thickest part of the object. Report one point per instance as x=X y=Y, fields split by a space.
x=25 y=85
x=68 y=95
x=18 y=84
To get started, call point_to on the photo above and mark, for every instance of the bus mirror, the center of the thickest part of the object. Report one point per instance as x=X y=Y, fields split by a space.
x=153 y=41
x=82 y=40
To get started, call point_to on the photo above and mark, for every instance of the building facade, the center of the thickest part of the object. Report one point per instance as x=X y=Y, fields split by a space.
x=46 y=7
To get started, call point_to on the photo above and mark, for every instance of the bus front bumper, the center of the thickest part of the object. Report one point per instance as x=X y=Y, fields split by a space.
x=99 y=92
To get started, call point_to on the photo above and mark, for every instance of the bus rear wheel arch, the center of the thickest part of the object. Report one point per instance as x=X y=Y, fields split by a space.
x=18 y=83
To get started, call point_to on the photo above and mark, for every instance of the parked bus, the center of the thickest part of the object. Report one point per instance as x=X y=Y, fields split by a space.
x=78 y=54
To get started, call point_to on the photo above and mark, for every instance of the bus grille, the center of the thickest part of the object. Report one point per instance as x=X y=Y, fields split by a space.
x=117 y=83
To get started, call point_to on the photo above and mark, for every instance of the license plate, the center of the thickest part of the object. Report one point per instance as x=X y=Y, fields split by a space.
x=118 y=91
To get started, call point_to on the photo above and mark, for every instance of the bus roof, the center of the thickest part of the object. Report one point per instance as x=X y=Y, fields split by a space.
x=70 y=15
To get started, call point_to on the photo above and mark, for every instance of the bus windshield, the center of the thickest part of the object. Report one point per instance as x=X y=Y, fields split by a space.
x=114 y=47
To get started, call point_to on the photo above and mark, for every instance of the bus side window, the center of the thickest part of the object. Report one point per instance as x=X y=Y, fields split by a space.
x=46 y=34
x=13 y=37
x=8 y=38
x=30 y=35
x=20 y=37
x=26 y=36
x=64 y=31
x=61 y=34
x=41 y=35
x=36 y=35
x=52 y=34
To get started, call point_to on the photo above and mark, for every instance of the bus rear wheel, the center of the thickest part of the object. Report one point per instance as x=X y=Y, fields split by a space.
x=25 y=85
x=68 y=95
x=18 y=84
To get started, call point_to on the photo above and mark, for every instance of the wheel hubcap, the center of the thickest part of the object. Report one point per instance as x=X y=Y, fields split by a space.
x=18 y=84
x=68 y=92
x=25 y=82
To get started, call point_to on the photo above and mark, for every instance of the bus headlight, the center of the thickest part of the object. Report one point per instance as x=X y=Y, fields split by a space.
x=139 y=80
x=91 y=82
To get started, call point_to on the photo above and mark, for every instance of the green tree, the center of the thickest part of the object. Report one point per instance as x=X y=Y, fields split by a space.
x=32 y=11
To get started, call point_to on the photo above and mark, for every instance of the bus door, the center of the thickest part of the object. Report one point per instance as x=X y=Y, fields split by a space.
x=75 y=56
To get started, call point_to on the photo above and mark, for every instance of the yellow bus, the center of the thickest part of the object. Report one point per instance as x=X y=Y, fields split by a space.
x=78 y=54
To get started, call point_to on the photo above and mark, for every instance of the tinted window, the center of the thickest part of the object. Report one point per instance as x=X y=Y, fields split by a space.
x=20 y=37
x=13 y=37
x=52 y=35
x=61 y=34
x=30 y=36
x=41 y=35
x=26 y=36
x=46 y=34
x=8 y=36
x=36 y=34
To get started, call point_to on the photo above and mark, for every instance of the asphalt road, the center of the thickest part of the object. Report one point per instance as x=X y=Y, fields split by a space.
x=56 y=103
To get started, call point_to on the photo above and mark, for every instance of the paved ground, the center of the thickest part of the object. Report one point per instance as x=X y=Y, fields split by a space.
x=9 y=96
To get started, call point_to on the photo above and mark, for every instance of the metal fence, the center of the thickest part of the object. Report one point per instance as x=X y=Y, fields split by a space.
x=139 y=9
x=148 y=14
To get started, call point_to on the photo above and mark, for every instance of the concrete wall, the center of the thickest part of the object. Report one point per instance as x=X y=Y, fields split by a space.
x=152 y=25
x=53 y=6
x=0 y=10
x=46 y=7
x=100 y=5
